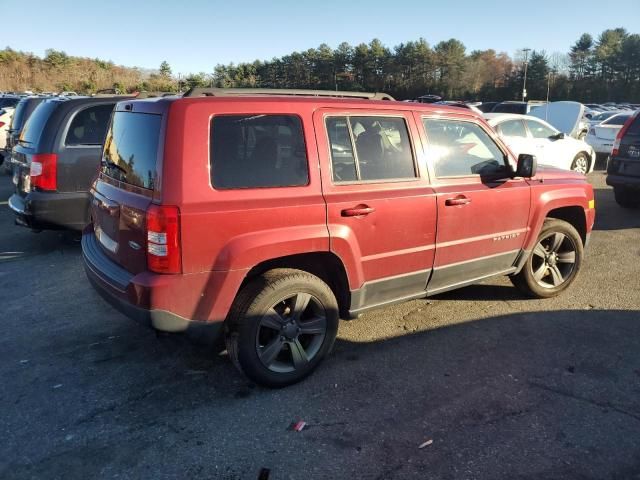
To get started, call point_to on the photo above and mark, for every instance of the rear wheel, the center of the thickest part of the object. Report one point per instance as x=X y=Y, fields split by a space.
x=281 y=326
x=626 y=197
x=554 y=262
x=580 y=163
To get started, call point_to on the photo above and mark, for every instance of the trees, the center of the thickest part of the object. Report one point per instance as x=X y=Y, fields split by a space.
x=597 y=68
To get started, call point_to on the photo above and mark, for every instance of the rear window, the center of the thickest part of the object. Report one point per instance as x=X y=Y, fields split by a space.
x=617 y=120
x=258 y=151
x=89 y=126
x=131 y=149
x=36 y=123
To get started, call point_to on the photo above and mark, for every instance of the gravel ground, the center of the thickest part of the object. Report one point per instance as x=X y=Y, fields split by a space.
x=505 y=387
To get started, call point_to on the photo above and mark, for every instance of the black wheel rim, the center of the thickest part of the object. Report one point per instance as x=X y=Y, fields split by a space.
x=553 y=260
x=291 y=332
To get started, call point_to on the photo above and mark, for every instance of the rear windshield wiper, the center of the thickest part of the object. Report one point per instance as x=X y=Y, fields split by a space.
x=110 y=164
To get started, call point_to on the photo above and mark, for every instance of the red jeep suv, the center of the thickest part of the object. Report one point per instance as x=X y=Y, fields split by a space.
x=271 y=214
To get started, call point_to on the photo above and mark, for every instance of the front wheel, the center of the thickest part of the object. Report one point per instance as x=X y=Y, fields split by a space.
x=281 y=326
x=554 y=262
x=580 y=163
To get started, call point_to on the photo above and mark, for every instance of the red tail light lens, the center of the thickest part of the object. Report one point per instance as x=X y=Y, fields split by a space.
x=623 y=130
x=163 y=239
x=2 y=124
x=43 y=171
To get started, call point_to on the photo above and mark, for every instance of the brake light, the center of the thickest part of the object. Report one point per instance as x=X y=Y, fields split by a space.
x=43 y=171
x=623 y=130
x=2 y=124
x=163 y=239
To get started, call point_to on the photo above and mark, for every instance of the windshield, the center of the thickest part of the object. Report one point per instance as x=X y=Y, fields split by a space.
x=617 y=120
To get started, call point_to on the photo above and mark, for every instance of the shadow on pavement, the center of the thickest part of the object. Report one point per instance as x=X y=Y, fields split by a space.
x=535 y=395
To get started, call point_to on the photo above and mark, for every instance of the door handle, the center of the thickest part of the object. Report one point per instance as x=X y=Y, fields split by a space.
x=358 y=211
x=459 y=200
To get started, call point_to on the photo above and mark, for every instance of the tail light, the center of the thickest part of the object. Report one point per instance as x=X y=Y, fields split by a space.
x=163 y=239
x=2 y=124
x=623 y=130
x=43 y=171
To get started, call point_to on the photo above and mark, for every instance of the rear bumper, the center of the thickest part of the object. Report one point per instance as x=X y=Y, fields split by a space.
x=623 y=181
x=51 y=210
x=192 y=303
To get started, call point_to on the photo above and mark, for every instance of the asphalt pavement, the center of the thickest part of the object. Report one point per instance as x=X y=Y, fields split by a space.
x=503 y=387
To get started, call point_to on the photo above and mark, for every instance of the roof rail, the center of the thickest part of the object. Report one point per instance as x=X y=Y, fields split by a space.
x=145 y=94
x=228 y=92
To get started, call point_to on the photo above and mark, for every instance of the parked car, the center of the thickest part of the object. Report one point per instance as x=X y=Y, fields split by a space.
x=600 y=117
x=602 y=135
x=623 y=170
x=521 y=108
x=56 y=159
x=451 y=103
x=9 y=101
x=525 y=134
x=6 y=113
x=267 y=218
x=486 y=107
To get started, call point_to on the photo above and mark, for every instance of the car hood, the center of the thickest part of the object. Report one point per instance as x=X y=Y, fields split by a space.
x=565 y=116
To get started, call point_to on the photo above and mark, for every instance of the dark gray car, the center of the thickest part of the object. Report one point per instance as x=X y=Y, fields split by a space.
x=56 y=159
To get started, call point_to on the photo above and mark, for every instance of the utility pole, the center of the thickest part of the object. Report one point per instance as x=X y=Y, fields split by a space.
x=526 y=62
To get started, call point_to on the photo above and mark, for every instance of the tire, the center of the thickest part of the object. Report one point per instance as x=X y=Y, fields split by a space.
x=580 y=163
x=626 y=197
x=554 y=262
x=266 y=337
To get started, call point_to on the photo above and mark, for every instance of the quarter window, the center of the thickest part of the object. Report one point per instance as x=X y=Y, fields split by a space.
x=89 y=126
x=257 y=151
x=382 y=148
x=458 y=148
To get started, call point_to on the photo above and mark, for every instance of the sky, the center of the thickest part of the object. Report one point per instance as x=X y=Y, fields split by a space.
x=195 y=36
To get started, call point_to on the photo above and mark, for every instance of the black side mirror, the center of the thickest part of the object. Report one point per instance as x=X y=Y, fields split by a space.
x=558 y=136
x=527 y=166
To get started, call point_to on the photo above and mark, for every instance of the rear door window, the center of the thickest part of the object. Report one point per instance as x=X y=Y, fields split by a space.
x=458 y=148
x=512 y=128
x=258 y=151
x=131 y=149
x=89 y=126
x=539 y=130
x=382 y=148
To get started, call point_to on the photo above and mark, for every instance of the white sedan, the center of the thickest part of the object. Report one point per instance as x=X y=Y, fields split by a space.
x=602 y=135
x=526 y=134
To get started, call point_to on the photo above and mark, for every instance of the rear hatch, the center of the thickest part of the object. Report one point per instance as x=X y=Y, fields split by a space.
x=125 y=187
x=627 y=160
x=28 y=146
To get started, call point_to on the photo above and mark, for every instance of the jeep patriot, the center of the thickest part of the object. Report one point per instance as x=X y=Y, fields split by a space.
x=269 y=215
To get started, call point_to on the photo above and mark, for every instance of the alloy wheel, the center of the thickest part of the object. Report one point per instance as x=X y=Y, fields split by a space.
x=553 y=260
x=291 y=332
